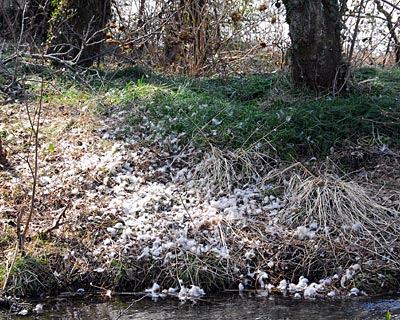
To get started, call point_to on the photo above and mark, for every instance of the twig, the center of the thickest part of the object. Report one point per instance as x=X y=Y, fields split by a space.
x=9 y=267
x=391 y=4
x=35 y=128
x=57 y=223
x=355 y=33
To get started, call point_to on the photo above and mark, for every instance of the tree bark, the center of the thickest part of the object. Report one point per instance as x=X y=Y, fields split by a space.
x=187 y=43
x=76 y=29
x=316 y=51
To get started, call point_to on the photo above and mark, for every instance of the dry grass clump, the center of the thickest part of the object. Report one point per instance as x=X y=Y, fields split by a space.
x=276 y=251
x=226 y=168
x=341 y=209
x=209 y=271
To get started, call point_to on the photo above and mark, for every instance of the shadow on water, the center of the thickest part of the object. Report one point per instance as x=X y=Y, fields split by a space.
x=216 y=307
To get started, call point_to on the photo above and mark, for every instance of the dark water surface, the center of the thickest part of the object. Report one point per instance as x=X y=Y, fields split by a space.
x=216 y=307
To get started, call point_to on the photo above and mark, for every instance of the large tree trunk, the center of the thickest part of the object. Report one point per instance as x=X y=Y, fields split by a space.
x=316 y=56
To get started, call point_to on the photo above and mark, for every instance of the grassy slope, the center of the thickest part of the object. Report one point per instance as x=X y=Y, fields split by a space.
x=265 y=112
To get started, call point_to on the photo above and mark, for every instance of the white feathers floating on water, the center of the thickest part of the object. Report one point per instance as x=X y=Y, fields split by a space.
x=154 y=291
x=282 y=286
x=192 y=294
x=302 y=287
x=310 y=292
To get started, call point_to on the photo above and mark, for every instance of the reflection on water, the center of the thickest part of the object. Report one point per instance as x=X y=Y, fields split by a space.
x=225 y=307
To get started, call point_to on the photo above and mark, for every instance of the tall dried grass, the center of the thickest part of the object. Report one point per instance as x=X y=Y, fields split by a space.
x=342 y=210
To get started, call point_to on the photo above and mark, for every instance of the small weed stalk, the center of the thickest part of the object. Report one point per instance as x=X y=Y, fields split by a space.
x=34 y=118
x=22 y=228
x=34 y=122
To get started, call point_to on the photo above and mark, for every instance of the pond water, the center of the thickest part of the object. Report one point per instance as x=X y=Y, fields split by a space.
x=215 y=307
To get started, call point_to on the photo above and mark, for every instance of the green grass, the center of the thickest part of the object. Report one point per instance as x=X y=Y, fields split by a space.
x=263 y=111
x=254 y=111
x=29 y=277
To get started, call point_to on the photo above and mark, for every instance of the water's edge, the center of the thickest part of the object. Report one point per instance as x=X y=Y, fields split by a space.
x=213 y=307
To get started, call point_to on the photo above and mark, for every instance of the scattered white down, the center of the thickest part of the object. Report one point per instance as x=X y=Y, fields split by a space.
x=303 y=233
x=153 y=291
x=38 y=308
x=173 y=290
x=310 y=292
x=194 y=293
x=331 y=294
x=302 y=284
x=23 y=312
x=354 y=292
x=282 y=287
x=153 y=219
x=260 y=279
x=292 y=288
x=349 y=274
